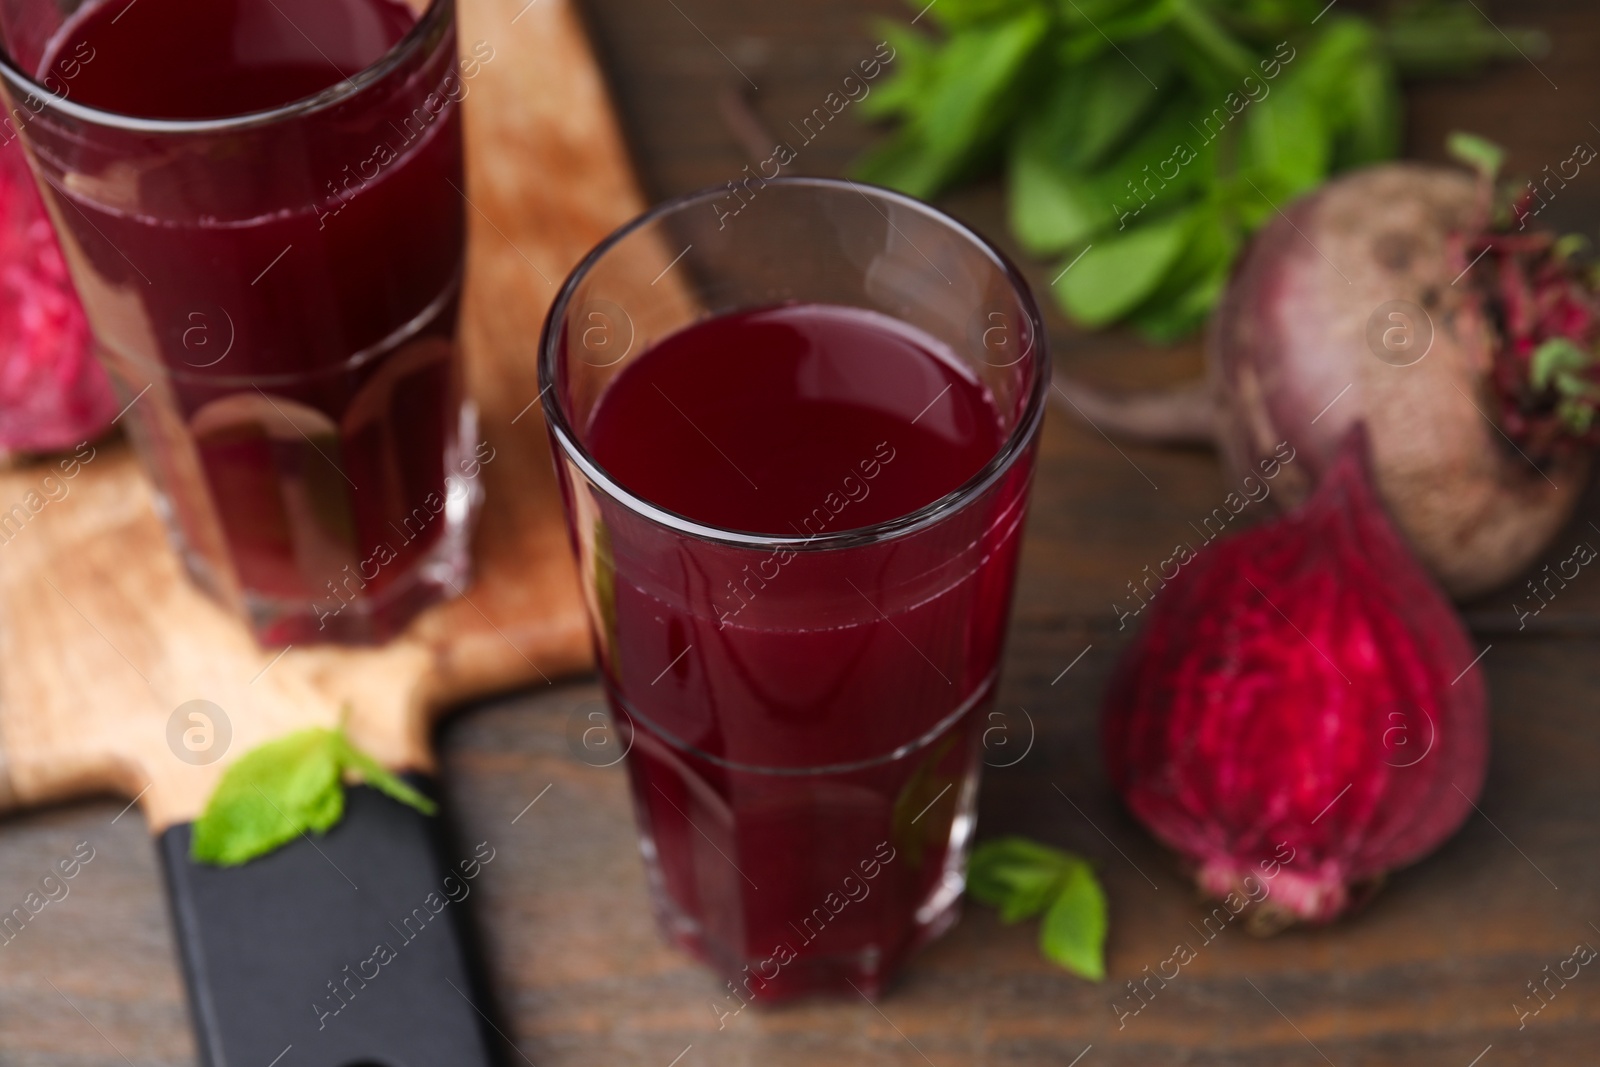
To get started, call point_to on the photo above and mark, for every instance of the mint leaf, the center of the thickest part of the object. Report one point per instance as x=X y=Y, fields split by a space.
x=279 y=790
x=269 y=796
x=1287 y=142
x=1023 y=879
x=1055 y=203
x=967 y=95
x=1093 y=108
x=1051 y=210
x=1121 y=268
x=980 y=66
x=1125 y=20
x=1031 y=891
x=1073 y=933
x=382 y=779
x=994 y=863
x=1016 y=876
x=1165 y=320
x=1225 y=59
x=910 y=74
x=1369 y=126
x=1195 y=282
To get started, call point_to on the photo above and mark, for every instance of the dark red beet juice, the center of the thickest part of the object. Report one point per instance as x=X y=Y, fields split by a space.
x=805 y=723
x=285 y=288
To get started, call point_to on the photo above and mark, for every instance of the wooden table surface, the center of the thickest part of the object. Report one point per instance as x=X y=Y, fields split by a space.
x=1428 y=974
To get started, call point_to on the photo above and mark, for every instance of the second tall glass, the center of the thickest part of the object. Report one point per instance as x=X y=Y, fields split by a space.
x=271 y=270
x=805 y=712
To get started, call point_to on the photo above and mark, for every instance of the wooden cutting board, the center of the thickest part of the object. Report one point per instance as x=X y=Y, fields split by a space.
x=102 y=637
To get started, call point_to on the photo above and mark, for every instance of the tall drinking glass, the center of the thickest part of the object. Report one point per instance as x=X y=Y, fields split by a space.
x=804 y=708
x=259 y=201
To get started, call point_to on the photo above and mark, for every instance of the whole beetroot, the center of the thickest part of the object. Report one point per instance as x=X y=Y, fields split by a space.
x=1376 y=300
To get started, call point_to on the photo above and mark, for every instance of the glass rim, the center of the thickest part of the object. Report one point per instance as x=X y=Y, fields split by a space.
x=18 y=80
x=902 y=525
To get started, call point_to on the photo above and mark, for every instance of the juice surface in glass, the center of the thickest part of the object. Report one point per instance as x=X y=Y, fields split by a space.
x=286 y=290
x=804 y=778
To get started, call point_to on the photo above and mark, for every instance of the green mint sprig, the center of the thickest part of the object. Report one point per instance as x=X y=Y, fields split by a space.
x=279 y=790
x=1024 y=879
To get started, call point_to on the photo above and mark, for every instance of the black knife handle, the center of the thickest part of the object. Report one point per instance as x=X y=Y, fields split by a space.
x=349 y=948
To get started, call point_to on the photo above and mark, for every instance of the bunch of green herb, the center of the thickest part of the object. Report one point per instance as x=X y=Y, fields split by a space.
x=1151 y=137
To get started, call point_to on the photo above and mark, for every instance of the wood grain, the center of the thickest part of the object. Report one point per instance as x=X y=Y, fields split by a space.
x=1425 y=978
x=103 y=638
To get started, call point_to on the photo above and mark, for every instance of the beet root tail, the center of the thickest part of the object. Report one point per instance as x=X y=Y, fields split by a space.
x=1186 y=415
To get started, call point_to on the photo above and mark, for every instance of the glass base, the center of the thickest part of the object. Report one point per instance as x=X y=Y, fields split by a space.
x=863 y=962
x=437 y=575
x=371 y=620
x=867 y=970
